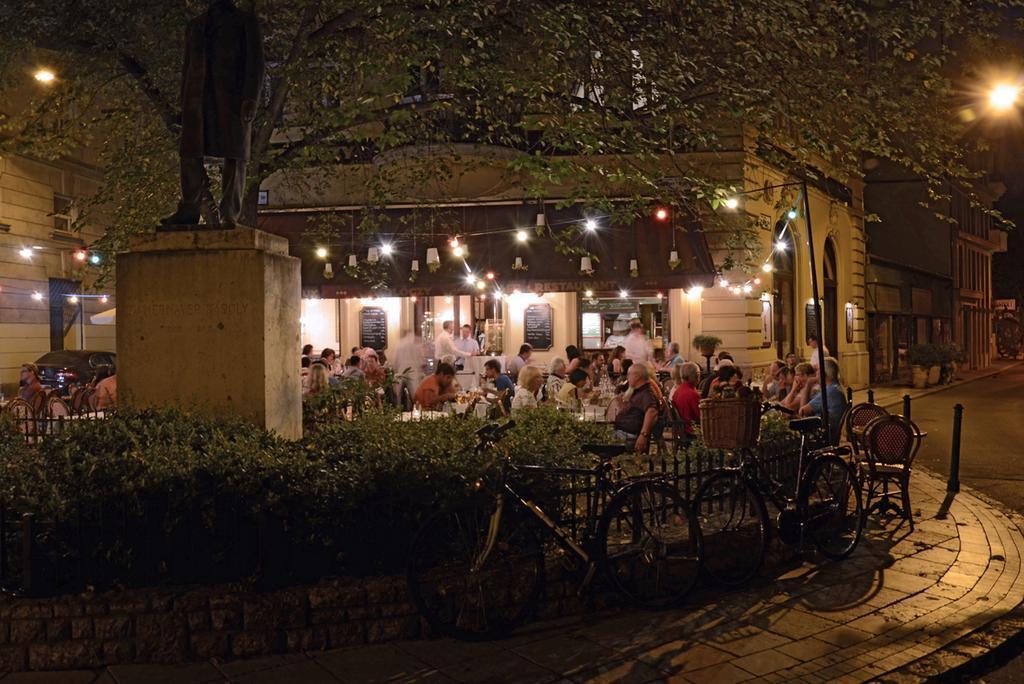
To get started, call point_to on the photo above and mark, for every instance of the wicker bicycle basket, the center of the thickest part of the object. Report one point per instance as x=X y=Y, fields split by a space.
x=730 y=423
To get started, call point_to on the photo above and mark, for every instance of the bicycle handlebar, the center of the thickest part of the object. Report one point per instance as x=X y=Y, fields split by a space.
x=492 y=432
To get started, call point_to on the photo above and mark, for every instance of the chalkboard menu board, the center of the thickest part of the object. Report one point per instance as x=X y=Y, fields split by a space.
x=537 y=326
x=373 y=328
x=811 y=321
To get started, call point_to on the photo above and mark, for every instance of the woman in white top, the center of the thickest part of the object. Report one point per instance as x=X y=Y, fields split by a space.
x=530 y=381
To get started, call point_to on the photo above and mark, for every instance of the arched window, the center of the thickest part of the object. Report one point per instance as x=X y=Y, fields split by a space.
x=831 y=295
x=784 y=314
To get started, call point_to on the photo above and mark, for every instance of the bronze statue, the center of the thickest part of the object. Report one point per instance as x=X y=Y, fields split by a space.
x=221 y=82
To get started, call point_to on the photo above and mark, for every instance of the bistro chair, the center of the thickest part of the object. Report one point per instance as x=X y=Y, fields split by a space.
x=80 y=402
x=24 y=417
x=39 y=403
x=857 y=419
x=890 y=445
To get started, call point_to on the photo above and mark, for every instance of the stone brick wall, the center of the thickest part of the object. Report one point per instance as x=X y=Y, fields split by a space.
x=171 y=625
x=175 y=625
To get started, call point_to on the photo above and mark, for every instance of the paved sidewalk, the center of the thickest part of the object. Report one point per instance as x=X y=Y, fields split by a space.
x=901 y=597
x=890 y=396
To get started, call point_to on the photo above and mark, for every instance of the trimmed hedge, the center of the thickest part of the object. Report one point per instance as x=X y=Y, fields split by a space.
x=168 y=497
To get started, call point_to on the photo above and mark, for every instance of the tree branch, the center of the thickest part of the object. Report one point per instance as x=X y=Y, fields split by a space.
x=168 y=114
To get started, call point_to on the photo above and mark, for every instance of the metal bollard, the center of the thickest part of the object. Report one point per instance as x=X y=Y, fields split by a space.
x=871 y=396
x=953 y=484
x=906 y=406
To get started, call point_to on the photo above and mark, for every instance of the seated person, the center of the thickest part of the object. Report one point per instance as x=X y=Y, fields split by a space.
x=437 y=388
x=729 y=379
x=836 y=400
x=803 y=385
x=530 y=382
x=501 y=382
x=570 y=396
x=106 y=389
x=556 y=377
x=686 y=398
x=639 y=415
x=352 y=368
x=783 y=383
x=29 y=382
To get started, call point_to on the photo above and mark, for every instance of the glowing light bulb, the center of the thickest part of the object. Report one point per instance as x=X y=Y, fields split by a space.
x=104 y=299
x=732 y=203
x=73 y=299
x=25 y=252
x=387 y=249
x=480 y=284
x=757 y=281
x=38 y=296
x=723 y=282
x=321 y=252
x=1003 y=96
x=781 y=246
x=590 y=225
x=660 y=295
x=623 y=294
x=748 y=288
x=454 y=242
x=94 y=259
x=767 y=268
x=45 y=76
x=81 y=255
x=522 y=236
x=471 y=279
x=588 y=294
x=490 y=275
x=791 y=214
x=661 y=214
x=458 y=251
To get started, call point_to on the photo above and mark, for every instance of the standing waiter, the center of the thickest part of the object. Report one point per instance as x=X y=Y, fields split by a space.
x=220 y=86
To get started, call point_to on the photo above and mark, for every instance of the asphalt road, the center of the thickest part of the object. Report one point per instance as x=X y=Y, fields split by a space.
x=991 y=453
x=992 y=439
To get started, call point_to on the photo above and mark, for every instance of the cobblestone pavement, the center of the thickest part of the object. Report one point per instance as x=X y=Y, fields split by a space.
x=903 y=596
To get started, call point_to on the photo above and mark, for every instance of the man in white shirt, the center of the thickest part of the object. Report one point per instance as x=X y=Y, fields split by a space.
x=408 y=362
x=466 y=343
x=816 y=351
x=519 y=361
x=638 y=347
x=444 y=345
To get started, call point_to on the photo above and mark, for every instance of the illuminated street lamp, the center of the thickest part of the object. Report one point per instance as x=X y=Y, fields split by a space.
x=1003 y=97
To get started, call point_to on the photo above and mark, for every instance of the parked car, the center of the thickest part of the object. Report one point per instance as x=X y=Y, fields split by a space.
x=58 y=369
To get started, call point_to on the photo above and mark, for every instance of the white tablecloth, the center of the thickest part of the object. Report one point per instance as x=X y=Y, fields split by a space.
x=475 y=364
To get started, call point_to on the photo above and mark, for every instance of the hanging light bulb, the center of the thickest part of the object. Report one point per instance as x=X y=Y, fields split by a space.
x=590 y=225
x=81 y=255
x=588 y=294
x=661 y=214
x=723 y=282
x=490 y=275
x=471 y=279
x=623 y=294
x=480 y=284
x=25 y=252
x=353 y=261
x=791 y=214
x=321 y=252
x=781 y=246
x=660 y=296
x=94 y=259
x=387 y=249
x=757 y=281
x=522 y=235
x=767 y=268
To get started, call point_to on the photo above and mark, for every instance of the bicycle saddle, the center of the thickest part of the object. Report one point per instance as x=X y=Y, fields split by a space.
x=606 y=451
x=805 y=424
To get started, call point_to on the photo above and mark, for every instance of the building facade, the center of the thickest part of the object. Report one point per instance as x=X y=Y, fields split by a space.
x=666 y=271
x=928 y=278
x=46 y=296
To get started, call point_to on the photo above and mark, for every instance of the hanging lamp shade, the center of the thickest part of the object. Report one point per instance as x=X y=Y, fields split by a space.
x=541 y=220
x=373 y=255
x=415 y=265
x=585 y=265
x=432 y=256
x=328 y=270
x=673 y=256
x=353 y=261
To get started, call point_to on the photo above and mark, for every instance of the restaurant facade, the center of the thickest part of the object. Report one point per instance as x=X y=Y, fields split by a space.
x=555 y=272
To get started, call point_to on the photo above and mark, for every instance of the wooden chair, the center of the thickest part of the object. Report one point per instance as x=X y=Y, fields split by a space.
x=57 y=413
x=857 y=419
x=24 y=417
x=890 y=445
x=39 y=403
x=82 y=399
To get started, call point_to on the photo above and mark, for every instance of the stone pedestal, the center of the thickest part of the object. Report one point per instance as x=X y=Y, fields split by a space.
x=209 y=321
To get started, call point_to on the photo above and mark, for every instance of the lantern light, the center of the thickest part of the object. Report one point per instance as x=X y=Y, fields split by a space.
x=45 y=76
x=321 y=252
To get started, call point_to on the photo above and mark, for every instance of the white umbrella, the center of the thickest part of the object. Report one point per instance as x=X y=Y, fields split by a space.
x=107 y=317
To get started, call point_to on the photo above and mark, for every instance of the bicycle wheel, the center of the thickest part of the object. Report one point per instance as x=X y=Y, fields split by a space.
x=830 y=507
x=460 y=600
x=650 y=546
x=733 y=527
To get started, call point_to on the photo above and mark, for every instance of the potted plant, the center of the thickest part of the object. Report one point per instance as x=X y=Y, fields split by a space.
x=921 y=357
x=950 y=357
x=707 y=344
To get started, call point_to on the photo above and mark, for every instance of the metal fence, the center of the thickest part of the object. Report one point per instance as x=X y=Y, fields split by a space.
x=35 y=429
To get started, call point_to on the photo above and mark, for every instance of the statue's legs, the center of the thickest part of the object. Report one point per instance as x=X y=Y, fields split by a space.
x=193 y=181
x=232 y=190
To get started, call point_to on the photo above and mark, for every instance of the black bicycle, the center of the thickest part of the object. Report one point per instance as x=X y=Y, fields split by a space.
x=478 y=570
x=732 y=517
